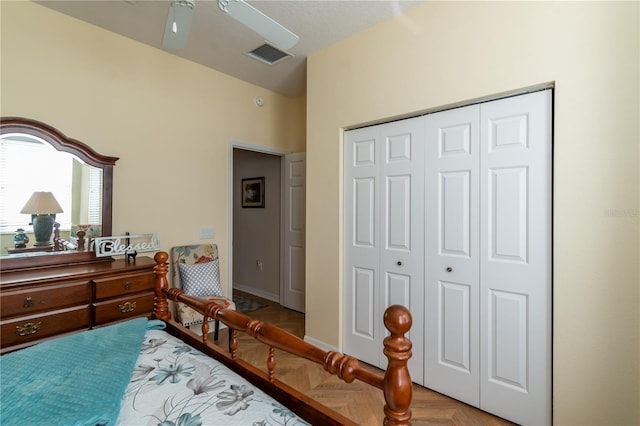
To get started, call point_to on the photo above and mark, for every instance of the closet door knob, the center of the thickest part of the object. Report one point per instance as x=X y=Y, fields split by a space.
x=399 y=263
x=449 y=269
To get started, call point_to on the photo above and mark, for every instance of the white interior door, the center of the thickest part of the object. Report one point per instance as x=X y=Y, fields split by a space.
x=515 y=265
x=384 y=235
x=452 y=253
x=293 y=294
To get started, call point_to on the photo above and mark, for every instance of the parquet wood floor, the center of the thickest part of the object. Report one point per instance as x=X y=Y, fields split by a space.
x=361 y=403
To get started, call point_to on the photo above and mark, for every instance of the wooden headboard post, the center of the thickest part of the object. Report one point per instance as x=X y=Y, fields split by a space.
x=398 y=389
x=160 y=305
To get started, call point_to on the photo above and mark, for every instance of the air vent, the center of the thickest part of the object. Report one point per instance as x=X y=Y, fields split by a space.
x=268 y=54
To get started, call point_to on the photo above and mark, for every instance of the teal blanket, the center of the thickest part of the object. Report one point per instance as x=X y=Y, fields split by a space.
x=73 y=380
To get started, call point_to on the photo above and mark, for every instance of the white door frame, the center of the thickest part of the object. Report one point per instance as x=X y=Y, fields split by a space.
x=265 y=150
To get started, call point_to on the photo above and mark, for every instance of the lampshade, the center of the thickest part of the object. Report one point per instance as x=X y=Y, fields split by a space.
x=42 y=203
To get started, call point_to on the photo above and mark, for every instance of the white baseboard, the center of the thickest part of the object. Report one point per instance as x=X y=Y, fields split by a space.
x=257 y=292
x=320 y=344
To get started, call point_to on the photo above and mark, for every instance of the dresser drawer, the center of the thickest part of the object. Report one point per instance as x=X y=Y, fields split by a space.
x=126 y=284
x=33 y=299
x=124 y=307
x=35 y=327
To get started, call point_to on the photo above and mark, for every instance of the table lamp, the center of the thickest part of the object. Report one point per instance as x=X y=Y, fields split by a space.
x=42 y=206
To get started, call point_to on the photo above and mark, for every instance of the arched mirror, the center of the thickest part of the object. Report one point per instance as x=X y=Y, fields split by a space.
x=56 y=195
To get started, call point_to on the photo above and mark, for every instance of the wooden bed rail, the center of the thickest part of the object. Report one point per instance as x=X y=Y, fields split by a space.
x=395 y=383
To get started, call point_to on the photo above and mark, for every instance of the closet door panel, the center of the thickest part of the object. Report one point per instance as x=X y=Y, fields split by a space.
x=509 y=337
x=364 y=313
x=384 y=236
x=455 y=213
x=401 y=210
x=397 y=289
x=362 y=245
x=364 y=220
x=451 y=253
x=508 y=214
x=454 y=326
x=515 y=268
x=398 y=215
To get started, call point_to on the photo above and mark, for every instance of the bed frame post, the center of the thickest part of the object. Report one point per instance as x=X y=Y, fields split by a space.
x=160 y=304
x=398 y=388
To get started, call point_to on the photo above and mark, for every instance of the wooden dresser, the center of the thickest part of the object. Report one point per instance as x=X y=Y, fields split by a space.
x=37 y=304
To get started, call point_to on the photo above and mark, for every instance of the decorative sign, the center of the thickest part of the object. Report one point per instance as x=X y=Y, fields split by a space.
x=126 y=244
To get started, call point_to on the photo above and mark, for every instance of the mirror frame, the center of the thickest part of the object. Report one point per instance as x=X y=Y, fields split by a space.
x=63 y=143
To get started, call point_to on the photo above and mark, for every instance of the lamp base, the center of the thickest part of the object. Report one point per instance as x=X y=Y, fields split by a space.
x=43 y=228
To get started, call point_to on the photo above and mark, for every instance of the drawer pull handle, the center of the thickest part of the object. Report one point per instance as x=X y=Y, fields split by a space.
x=127 y=307
x=28 y=328
x=127 y=286
x=28 y=302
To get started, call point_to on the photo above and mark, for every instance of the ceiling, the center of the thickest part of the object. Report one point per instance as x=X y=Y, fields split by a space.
x=218 y=41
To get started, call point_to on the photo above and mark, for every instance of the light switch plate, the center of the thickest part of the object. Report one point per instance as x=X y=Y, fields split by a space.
x=207 y=233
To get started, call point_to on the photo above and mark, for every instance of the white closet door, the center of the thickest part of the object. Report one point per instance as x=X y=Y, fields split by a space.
x=475 y=209
x=362 y=244
x=452 y=253
x=402 y=230
x=384 y=235
x=515 y=265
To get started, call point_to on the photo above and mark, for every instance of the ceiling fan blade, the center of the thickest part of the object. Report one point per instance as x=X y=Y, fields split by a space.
x=259 y=22
x=179 y=19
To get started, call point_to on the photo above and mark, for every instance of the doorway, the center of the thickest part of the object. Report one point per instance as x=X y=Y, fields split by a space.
x=256 y=225
x=266 y=230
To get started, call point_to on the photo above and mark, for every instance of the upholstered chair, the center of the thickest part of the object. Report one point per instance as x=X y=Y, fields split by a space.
x=196 y=270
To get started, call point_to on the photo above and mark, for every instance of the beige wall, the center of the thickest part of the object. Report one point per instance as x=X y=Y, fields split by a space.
x=443 y=53
x=169 y=120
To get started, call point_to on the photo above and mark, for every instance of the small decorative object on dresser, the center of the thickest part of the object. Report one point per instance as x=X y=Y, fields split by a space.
x=20 y=239
x=126 y=244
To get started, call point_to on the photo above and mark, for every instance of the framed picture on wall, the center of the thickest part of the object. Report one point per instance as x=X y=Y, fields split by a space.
x=252 y=191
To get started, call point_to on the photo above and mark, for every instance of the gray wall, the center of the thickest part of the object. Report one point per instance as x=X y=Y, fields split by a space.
x=256 y=231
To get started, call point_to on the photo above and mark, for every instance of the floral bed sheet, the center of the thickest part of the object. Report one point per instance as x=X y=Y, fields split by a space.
x=174 y=384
